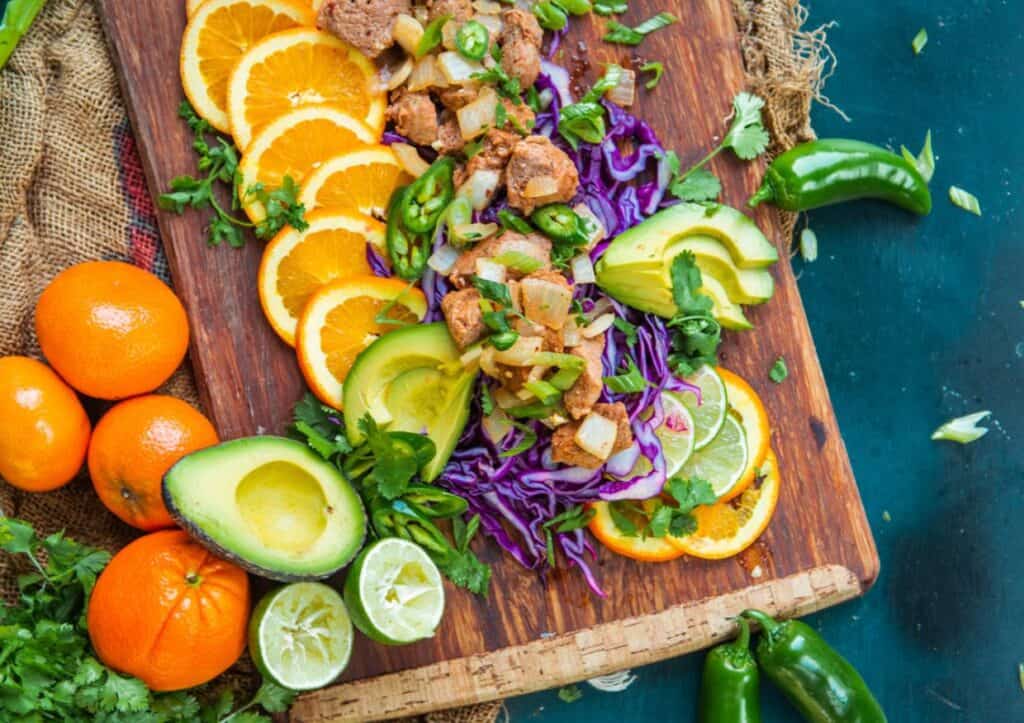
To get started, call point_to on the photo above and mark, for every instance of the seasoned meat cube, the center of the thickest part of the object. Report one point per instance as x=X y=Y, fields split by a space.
x=519 y=24
x=539 y=173
x=456 y=96
x=582 y=395
x=521 y=117
x=493 y=155
x=460 y=10
x=563 y=443
x=534 y=245
x=449 y=137
x=364 y=24
x=415 y=117
x=513 y=378
x=544 y=303
x=462 y=313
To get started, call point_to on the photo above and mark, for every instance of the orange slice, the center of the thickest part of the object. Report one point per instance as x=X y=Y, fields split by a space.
x=725 y=529
x=191 y=6
x=746 y=407
x=295 y=145
x=297 y=263
x=218 y=33
x=341 y=319
x=293 y=68
x=361 y=180
x=645 y=549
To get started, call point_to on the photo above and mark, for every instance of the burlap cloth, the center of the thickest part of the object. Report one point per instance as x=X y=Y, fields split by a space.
x=72 y=189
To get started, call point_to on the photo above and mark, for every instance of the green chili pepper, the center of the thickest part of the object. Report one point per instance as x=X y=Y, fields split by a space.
x=815 y=678
x=408 y=251
x=472 y=40
x=429 y=196
x=833 y=170
x=18 y=17
x=729 y=689
x=557 y=221
x=430 y=501
x=550 y=15
x=398 y=519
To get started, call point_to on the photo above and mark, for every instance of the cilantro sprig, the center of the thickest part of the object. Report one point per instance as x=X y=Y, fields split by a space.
x=656 y=518
x=584 y=120
x=696 y=334
x=746 y=137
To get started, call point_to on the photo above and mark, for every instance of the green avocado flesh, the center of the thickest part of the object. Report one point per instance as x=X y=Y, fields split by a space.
x=269 y=504
x=411 y=380
x=730 y=251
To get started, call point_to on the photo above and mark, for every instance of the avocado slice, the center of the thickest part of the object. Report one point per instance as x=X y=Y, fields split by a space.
x=644 y=245
x=270 y=505
x=411 y=380
x=744 y=286
x=651 y=291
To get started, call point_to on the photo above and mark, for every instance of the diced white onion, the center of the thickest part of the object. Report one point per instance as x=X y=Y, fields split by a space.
x=476 y=117
x=496 y=426
x=537 y=373
x=624 y=92
x=426 y=75
x=491 y=271
x=493 y=24
x=407 y=32
x=599 y=232
x=410 y=159
x=597 y=435
x=486 y=7
x=571 y=335
x=443 y=259
x=599 y=326
x=456 y=69
x=546 y=302
x=583 y=269
x=539 y=186
x=489 y=366
x=470 y=233
x=480 y=187
x=471 y=357
x=421 y=14
x=520 y=353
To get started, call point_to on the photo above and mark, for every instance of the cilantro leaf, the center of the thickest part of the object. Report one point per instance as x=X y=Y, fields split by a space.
x=696 y=334
x=700 y=185
x=779 y=371
x=691 y=493
x=320 y=427
x=273 y=697
x=281 y=206
x=617 y=511
x=747 y=136
x=464 y=569
x=686 y=283
x=570 y=694
x=626 y=328
x=493 y=291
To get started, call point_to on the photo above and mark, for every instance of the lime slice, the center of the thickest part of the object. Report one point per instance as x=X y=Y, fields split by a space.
x=709 y=415
x=676 y=432
x=394 y=592
x=723 y=461
x=300 y=635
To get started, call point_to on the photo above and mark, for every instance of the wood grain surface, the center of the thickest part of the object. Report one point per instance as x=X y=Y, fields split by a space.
x=532 y=633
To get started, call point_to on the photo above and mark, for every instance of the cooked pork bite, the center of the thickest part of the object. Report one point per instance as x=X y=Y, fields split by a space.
x=584 y=393
x=539 y=173
x=464 y=317
x=533 y=245
x=460 y=10
x=519 y=24
x=414 y=116
x=364 y=24
x=520 y=40
x=456 y=96
x=565 y=450
x=449 y=137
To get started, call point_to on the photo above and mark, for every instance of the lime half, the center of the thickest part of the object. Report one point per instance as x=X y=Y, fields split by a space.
x=709 y=415
x=394 y=592
x=723 y=461
x=676 y=433
x=300 y=635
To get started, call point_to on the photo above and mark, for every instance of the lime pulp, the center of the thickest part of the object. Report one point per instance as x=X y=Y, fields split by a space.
x=723 y=461
x=709 y=415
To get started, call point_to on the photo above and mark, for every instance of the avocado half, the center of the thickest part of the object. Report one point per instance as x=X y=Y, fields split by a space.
x=270 y=505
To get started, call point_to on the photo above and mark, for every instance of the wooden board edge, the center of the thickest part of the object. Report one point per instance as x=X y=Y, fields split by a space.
x=564 y=659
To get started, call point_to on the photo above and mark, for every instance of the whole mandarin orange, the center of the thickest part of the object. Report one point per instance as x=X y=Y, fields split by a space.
x=132 y=447
x=111 y=329
x=44 y=431
x=168 y=612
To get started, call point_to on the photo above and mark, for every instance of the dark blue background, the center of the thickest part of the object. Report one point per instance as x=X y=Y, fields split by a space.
x=915 y=321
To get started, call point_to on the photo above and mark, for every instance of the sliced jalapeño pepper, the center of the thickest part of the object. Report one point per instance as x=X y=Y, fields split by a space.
x=472 y=40
x=550 y=15
x=558 y=221
x=729 y=687
x=433 y=502
x=398 y=519
x=408 y=251
x=816 y=679
x=428 y=197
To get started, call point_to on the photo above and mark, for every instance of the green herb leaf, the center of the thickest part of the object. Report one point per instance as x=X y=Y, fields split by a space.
x=657 y=70
x=686 y=283
x=625 y=35
x=659 y=523
x=626 y=328
x=747 y=136
x=965 y=200
x=529 y=439
x=506 y=85
x=273 y=697
x=320 y=427
x=583 y=121
x=570 y=694
x=919 y=41
x=963 y=429
x=700 y=185
x=574 y=518
x=282 y=208
x=691 y=493
x=923 y=161
x=511 y=220
x=629 y=382
x=493 y=291
x=808 y=245
x=778 y=372
x=617 y=511
x=432 y=35
x=464 y=569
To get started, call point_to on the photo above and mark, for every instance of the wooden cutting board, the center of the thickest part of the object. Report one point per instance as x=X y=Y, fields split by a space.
x=531 y=634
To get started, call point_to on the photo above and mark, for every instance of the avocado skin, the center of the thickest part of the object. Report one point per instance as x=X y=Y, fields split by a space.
x=196 y=532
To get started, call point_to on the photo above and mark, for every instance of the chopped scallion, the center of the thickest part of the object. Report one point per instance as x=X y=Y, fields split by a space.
x=919 y=41
x=963 y=429
x=965 y=200
x=625 y=35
